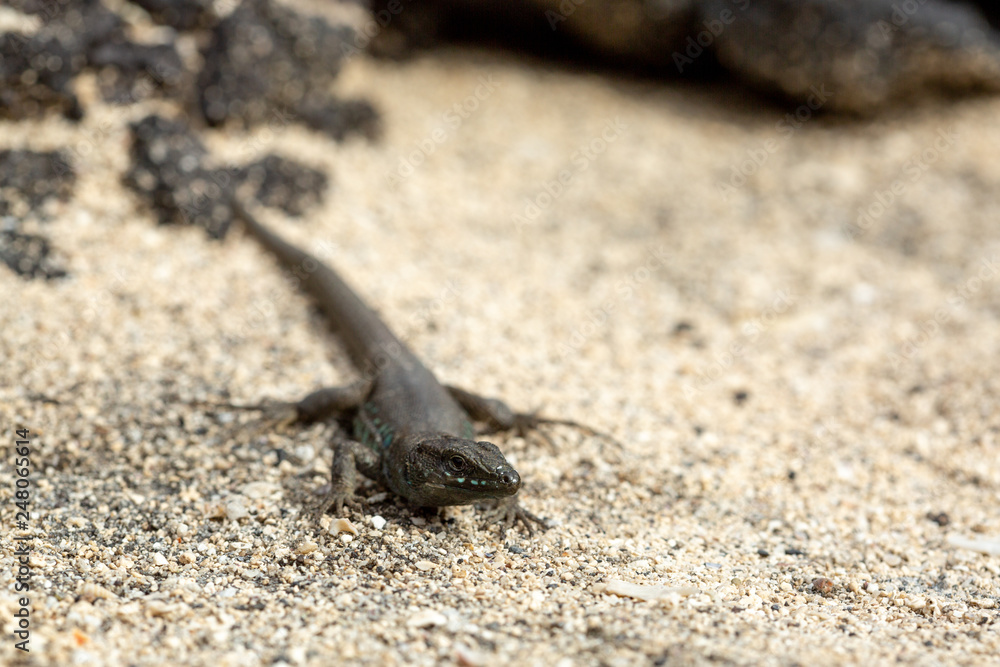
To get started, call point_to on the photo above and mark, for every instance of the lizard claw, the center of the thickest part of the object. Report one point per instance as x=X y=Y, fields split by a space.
x=509 y=512
x=528 y=422
x=338 y=499
x=273 y=414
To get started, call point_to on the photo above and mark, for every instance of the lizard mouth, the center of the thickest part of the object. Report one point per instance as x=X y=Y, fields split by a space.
x=499 y=481
x=507 y=485
x=478 y=485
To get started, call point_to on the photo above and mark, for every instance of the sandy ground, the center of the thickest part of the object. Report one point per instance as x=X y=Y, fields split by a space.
x=806 y=397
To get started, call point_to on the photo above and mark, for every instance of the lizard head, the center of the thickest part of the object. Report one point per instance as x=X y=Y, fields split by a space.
x=445 y=470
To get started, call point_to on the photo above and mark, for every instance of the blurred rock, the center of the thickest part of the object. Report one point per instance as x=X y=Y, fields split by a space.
x=36 y=70
x=180 y=14
x=29 y=179
x=867 y=53
x=170 y=170
x=267 y=64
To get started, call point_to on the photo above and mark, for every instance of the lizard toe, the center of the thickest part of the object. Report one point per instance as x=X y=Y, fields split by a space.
x=338 y=500
x=510 y=513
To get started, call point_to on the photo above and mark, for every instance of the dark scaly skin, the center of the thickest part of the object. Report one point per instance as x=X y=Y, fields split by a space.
x=409 y=433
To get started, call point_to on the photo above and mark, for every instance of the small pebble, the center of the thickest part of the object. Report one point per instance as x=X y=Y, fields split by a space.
x=822 y=585
x=342 y=526
x=426 y=619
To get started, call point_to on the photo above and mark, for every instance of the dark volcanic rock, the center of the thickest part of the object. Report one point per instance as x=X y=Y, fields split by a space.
x=35 y=73
x=268 y=64
x=131 y=72
x=36 y=70
x=170 y=171
x=180 y=14
x=868 y=53
x=167 y=170
x=28 y=255
x=285 y=184
x=28 y=179
x=79 y=24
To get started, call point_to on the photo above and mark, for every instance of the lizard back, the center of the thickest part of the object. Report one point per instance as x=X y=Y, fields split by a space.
x=406 y=397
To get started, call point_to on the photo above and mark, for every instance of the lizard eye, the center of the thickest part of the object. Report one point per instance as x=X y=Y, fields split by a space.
x=456 y=463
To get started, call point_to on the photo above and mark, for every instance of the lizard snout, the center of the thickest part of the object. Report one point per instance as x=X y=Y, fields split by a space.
x=509 y=478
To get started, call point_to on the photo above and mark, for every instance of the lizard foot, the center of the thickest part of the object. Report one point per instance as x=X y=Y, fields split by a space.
x=275 y=414
x=509 y=512
x=338 y=499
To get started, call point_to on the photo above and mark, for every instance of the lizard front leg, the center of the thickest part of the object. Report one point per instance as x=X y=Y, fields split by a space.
x=349 y=458
x=317 y=406
x=497 y=416
x=328 y=402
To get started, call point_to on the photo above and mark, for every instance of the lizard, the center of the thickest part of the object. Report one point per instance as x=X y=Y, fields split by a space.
x=408 y=431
